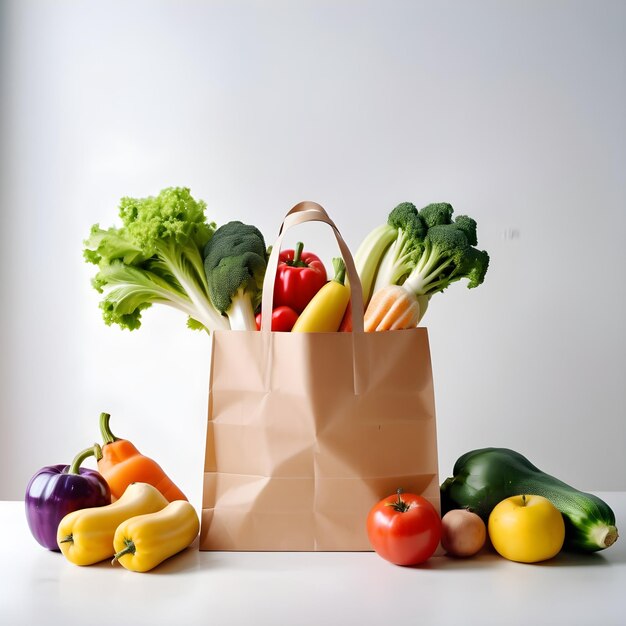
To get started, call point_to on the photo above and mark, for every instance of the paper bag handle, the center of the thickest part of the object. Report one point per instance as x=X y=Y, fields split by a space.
x=299 y=214
x=309 y=206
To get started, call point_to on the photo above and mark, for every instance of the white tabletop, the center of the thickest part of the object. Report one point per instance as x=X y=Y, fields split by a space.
x=294 y=589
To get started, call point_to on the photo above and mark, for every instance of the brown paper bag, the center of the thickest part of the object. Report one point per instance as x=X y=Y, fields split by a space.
x=307 y=431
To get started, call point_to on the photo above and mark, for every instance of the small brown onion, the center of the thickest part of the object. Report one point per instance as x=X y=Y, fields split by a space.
x=463 y=533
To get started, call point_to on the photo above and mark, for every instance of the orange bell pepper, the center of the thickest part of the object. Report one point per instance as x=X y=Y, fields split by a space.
x=122 y=464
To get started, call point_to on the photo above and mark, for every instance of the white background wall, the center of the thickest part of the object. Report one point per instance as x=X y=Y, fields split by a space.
x=512 y=111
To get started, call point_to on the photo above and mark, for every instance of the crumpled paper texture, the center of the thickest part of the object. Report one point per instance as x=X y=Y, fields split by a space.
x=307 y=431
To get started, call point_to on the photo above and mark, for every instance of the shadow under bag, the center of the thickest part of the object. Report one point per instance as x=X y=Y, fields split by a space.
x=307 y=431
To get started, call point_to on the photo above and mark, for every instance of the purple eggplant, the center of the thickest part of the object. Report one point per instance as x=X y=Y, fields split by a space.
x=56 y=490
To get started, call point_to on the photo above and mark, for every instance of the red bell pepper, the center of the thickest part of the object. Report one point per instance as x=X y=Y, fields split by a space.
x=283 y=319
x=300 y=275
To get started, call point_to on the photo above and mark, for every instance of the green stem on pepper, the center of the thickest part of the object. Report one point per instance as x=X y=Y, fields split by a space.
x=105 y=429
x=129 y=549
x=95 y=450
x=297 y=256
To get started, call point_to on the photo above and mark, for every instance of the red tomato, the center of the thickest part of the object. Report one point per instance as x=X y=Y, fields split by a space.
x=404 y=528
x=283 y=319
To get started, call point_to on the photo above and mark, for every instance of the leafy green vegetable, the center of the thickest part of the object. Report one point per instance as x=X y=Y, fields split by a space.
x=424 y=251
x=154 y=257
x=235 y=259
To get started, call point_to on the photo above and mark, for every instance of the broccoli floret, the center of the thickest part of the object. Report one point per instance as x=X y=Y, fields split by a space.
x=468 y=226
x=446 y=258
x=405 y=218
x=474 y=267
x=399 y=259
x=154 y=257
x=436 y=214
x=235 y=260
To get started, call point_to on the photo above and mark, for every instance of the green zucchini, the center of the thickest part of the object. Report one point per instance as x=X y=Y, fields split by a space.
x=482 y=478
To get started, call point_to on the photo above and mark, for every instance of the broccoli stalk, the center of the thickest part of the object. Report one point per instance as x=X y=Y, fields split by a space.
x=155 y=257
x=447 y=257
x=235 y=260
x=241 y=312
x=400 y=257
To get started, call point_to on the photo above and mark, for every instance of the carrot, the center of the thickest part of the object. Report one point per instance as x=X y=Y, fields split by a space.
x=122 y=464
x=392 y=308
x=346 y=322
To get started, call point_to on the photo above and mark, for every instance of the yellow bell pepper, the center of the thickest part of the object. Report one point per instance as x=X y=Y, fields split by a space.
x=86 y=536
x=142 y=542
x=323 y=314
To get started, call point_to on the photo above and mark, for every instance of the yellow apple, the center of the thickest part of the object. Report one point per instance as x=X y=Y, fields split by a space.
x=526 y=528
